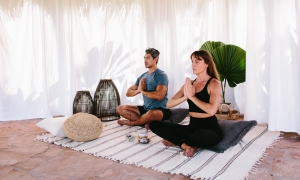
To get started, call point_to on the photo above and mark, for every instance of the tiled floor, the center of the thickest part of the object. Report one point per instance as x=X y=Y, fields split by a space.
x=22 y=157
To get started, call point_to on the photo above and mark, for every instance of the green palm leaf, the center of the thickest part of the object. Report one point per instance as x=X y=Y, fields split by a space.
x=211 y=45
x=230 y=61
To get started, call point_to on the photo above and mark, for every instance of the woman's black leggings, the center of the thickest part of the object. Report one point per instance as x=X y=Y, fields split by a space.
x=189 y=134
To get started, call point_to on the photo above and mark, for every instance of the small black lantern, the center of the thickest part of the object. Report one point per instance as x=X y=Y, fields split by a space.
x=106 y=100
x=83 y=102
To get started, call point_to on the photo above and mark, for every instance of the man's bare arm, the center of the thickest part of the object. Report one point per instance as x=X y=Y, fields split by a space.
x=132 y=91
x=158 y=94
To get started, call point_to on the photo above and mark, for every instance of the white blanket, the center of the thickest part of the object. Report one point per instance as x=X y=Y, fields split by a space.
x=235 y=163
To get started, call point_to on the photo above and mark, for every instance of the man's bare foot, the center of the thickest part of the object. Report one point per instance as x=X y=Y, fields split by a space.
x=147 y=126
x=124 y=122
x=167 y=143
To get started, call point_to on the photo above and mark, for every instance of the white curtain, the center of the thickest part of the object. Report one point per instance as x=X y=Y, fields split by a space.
x=49 y=50
x=273 y=64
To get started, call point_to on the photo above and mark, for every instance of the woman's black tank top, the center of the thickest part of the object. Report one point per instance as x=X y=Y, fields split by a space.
x=202 y=95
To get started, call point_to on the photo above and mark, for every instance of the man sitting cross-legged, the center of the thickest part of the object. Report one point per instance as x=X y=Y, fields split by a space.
x=153 y=85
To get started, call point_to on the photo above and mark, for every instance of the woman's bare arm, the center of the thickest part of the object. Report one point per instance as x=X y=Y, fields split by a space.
x=214 y=89
x=178 y=98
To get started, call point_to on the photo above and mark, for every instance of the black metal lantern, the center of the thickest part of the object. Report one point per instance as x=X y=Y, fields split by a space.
x=83 y=102
x=106 y=100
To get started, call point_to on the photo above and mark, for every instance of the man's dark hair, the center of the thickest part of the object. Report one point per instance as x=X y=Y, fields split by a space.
x=153 y=52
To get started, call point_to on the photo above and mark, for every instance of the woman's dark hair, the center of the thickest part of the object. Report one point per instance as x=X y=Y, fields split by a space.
x=208 y=59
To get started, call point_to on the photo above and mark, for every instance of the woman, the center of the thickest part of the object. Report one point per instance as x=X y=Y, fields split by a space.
x=203 y=96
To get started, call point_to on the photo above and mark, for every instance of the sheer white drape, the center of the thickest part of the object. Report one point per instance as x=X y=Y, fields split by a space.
x=51 y=49
x=273 y=64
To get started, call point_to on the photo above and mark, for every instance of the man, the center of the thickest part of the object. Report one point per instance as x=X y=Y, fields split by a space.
x=154 y=87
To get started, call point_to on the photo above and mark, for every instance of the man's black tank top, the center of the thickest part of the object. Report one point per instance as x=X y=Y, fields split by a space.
x=202 y=95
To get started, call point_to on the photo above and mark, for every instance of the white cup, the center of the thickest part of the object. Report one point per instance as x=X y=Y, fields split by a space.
x=143 y=134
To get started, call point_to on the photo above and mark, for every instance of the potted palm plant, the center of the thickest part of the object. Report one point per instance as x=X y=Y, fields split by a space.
x=230 y=61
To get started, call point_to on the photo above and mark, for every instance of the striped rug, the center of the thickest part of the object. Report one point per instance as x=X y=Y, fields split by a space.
x=235 y=163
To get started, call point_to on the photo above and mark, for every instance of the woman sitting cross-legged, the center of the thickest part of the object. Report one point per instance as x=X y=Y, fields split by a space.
x=203 y=97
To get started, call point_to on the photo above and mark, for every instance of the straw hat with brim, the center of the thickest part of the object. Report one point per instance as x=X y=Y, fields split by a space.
x=82 y=127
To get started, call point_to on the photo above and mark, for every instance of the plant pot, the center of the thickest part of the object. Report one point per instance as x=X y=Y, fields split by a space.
x=227 y=113
x=224 y=108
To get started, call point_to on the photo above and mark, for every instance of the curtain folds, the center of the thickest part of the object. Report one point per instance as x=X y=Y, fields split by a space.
x=49 y=50
x=272 y=76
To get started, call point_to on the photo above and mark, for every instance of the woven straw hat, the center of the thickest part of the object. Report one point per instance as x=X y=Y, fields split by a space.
x=83 y=127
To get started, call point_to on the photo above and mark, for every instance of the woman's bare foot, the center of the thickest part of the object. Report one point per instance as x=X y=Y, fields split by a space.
x=188 y=150
x=124 y=122
x=167 y=143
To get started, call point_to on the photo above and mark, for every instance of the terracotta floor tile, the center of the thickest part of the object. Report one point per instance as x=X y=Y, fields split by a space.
x=23 y=157
x=7 y=129
x=45 y=176
x=8 y=158
x=29 y=150
x=17 y=174
x=29 y=164
x=5 y=169
x=4 y=142
x=262 y=174
x=287 y=168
